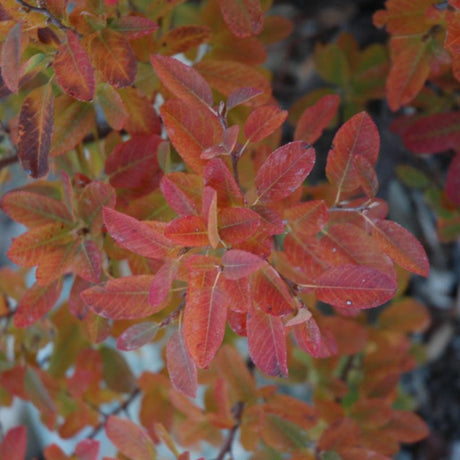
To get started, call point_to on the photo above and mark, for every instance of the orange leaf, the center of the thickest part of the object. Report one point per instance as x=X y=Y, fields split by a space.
x=271 y=293
x=10 y=62
x=267 y=343
x=237 y=224
x=142 y=118
x=72 y=122
x=113 y=57
x=209 y=214
x=112 y=105
x=129 y=438
x=238 y=264
x=401 y=246
x=308 y=218
x=406 y=427
x=122 y=298
x=74 y=73
x=358 y=137
x=191 y=129
x=33 y=209
x=284 y=171
x=339 y=435
x=183 y=38
x=263 y=121
x=244 y=18
x=36 y=302
x=87 y=262
x=34 y=131
x=351 y=286
x=181 y=367
x=137 y=236
x=188 y=231
x=316 y=118
x=182 y=80
x=205 y=315
x=242 y=96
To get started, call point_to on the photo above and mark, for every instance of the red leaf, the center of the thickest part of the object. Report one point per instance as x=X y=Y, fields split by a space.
x=113 y=57
x=161 y=284
x=188 y=231
x=132 y=27
x=218 y=176
x=36 y=302
x=237 y=322
x=406 y=427
x=242 y=96
x=183 y=192
x=238 y=292
x=267 y=343
x=244 y=18
x=74 y=73
x=130 y=439
x=238 y=264
x=308 y=218
x=284 y=171
x=137 y=336
x=133 y=163
x=182 y=80
x=401 y=246
x=316 y=118
x=309 y=338
x=87 y=262
x=205 y=315
x=122 y=298
x=271 y=293
x=191 y=129
x=209 y=214
x=34 y=131
x=87 y=449
x=237 y=224
x=13 y=445
x=433 y=133
x=10 y=62
x=351 y=286
x=453 y=180
x=263 y=121
x=137 y=236
x=358 y=137
x=181 y=367
x=33 y=209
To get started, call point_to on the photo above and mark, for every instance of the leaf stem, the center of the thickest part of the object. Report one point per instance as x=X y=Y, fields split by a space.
x=122 y=407
x=4 y=162
x=227 y=446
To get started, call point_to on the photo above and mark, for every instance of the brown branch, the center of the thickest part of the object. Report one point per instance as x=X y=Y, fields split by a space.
x=227 y=446
x=122 y=407
x=4 y=162
x=51 y=18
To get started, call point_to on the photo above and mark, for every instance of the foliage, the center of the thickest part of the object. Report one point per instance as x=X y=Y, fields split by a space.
x=172 y=216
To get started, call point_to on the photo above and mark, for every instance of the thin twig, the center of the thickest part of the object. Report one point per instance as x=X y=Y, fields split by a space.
x=53 y=19
x=122 y=407
x=227 y=446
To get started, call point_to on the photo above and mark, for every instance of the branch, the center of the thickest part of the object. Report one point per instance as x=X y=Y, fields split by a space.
x=227 y=447
x=53 y=19
x=4 y=162
x=122 y=407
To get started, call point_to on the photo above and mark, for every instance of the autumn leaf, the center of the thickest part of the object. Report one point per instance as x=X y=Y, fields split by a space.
x=112 y=105
x=14 y=443
x=183 y=38
x=267 y=343
x=238 y=264
x=73 y=69
x=34 y=131
x=137 y=336
x=244 y=18
x=132 y=27
x=313 y=341
x=183 y=192
x=284 y=171
x=237 y=224
x=10 y=59
x=188 y=231
x=263 y=121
